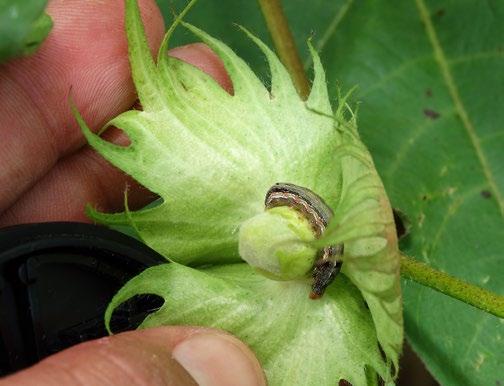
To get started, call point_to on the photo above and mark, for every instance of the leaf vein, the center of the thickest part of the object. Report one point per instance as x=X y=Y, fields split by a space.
x=450 y=84
x=331 y=29
x=477 y=56
x=406 y=146
x=451 y=211
x=398 y=71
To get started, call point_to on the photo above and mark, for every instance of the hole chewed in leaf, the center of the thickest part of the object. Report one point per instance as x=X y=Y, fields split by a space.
x=486 y=194
x=440 y=13
x=431 y=114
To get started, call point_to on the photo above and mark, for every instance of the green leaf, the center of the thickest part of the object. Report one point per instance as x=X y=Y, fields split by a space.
x=212 y=157
x=298 y=341
x=411 y=61
x=219 y=18
x=23 y=27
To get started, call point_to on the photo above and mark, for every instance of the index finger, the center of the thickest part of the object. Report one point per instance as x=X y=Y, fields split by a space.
x=86 y=50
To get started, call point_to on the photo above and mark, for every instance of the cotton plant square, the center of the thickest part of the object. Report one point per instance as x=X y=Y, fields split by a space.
x=235 y=263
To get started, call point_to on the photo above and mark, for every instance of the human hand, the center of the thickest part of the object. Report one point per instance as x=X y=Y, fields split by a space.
x=157 y=356
x=49 y=174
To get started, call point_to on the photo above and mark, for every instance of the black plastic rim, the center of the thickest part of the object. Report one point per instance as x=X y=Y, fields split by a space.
x=56 y=280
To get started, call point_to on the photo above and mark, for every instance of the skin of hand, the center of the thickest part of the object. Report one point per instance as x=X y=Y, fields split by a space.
x=49 y=174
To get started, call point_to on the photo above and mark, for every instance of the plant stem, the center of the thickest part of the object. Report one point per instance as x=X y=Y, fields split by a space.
x=284 y=44
x=456 y=288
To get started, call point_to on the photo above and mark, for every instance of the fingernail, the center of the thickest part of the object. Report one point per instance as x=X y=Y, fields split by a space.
x=217 y=359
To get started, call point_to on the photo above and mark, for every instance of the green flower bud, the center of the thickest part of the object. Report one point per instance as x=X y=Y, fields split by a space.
x=275 y=242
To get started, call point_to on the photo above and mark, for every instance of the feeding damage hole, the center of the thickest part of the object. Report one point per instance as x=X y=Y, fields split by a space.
x=431 y=114
x=440 y=13
x=425 y=197
x=486 y=194
x=130 y=314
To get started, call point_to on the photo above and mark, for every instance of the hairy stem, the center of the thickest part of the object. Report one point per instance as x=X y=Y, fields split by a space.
x=284 y=44
x=456 y=288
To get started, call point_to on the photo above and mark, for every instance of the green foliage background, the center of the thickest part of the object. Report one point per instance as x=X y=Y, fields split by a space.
x=430 y=85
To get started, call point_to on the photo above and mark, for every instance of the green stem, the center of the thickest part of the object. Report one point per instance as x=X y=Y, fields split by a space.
x=284 y=44
x=456 y=288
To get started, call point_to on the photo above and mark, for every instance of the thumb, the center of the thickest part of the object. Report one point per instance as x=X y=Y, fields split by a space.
x=158 y=356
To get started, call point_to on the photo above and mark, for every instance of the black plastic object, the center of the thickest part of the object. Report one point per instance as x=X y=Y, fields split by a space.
x=56 y=280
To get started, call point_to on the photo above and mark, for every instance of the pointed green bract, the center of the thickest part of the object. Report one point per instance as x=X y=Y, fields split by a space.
x=212 y=156
x=364 y=223
x=298 y=341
